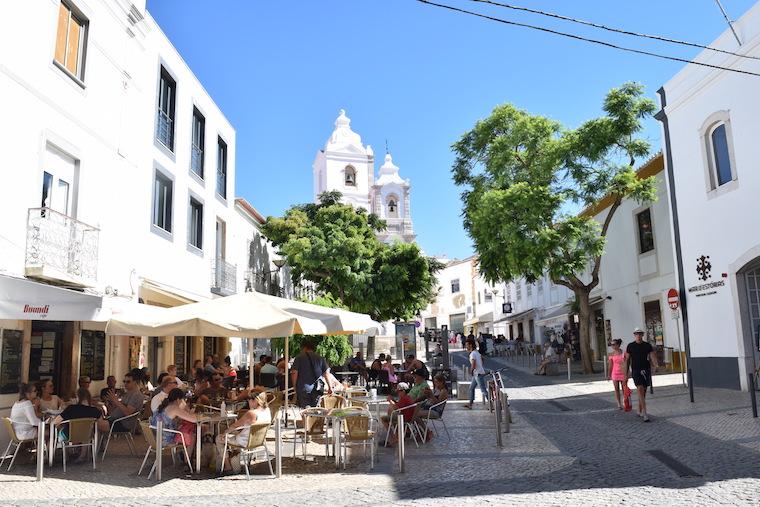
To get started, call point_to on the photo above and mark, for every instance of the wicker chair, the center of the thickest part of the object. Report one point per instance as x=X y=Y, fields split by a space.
x=81 y=433
x=14 y=440
x=150 y=439
x=257 y=438
x=314 y=427
x=331 y=401
x=359 y=430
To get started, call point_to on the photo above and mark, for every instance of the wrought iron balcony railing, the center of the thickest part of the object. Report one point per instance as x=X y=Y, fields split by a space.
x=165 y=129
x=223 y=277
x=196 y=160
x=61 y=248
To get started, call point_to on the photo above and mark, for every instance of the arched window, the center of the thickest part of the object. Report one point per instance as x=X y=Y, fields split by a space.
x=392 y=208
x=721 y=159
x=350 y=176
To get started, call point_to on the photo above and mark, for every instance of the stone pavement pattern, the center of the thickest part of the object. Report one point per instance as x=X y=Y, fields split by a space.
x=591 y=454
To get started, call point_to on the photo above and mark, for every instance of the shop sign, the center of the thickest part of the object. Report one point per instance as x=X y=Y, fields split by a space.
x=704 y=269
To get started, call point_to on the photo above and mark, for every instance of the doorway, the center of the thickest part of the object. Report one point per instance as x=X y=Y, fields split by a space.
x=653 y=325
x=45 y=355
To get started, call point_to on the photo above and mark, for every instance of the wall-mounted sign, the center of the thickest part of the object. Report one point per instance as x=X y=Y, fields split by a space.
x=703 y=269
x=506 y=308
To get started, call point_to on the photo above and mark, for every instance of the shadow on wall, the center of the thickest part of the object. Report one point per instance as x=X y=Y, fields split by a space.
x=265 y=278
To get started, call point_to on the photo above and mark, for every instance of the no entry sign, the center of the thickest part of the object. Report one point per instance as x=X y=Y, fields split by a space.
x=673 y=299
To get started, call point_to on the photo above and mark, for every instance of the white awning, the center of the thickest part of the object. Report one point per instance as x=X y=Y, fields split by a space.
x=482 y=319
x=24 y=299
x=558 y=314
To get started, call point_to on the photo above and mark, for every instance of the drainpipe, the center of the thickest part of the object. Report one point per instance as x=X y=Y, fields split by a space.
x=662 y=117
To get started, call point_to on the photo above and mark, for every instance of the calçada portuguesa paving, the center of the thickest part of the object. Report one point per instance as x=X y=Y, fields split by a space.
x=568 y=445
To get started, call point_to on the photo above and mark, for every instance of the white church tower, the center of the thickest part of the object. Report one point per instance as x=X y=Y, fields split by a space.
x=346 y=165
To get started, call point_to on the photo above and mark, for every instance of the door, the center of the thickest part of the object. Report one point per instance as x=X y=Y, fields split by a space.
x=58 y=182
x=653 y=324
x=752 y=281
x=456 y=322
x=45 y=355
x=220 y=239
x=601 y=340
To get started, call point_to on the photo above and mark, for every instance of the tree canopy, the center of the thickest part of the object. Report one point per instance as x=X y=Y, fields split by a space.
x=522 y=176
x=336 y=247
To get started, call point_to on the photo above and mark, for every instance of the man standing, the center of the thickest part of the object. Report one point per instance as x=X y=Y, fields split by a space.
x=641 y=358
x=307 y=368
x=478 y=373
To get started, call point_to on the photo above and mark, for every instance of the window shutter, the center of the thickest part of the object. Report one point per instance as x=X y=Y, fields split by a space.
x=72 y=52
x=60 y=39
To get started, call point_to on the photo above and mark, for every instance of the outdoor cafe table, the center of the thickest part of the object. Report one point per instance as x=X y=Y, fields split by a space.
x=371 y=400
x=336 y=416
x=343 y=374
x=205 y=418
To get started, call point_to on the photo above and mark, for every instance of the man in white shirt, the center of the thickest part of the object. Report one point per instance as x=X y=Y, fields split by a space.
x=478 y=373
x=167 y=384
x=550 y=356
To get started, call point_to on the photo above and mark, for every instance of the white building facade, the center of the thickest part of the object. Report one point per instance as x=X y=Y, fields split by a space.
x=118 y=181
x=710 y=120
x=347 y=165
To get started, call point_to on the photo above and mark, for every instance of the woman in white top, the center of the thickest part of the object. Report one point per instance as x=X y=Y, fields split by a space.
x=258 y=412
x=25 y=414
x=48 y=400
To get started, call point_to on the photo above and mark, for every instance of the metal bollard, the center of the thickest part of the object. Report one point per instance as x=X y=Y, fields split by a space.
x=752 y=395
x=497 y=407
x=278 y=447
x=41 y=448
x=507 y=413
x=606 y=361
x=401 y=451
x=691 y=385
x=159 y=447
x=568 y=368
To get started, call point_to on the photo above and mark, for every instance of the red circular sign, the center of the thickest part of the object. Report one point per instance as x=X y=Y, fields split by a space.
x=673 y=299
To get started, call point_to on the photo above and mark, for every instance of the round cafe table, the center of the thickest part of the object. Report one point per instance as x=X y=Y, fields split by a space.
x=371 y=400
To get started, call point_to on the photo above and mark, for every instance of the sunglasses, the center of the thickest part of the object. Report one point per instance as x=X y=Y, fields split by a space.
x=127 y=381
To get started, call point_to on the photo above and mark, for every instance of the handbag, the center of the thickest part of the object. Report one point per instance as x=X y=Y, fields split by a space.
x=627 y=398
x=319 y=384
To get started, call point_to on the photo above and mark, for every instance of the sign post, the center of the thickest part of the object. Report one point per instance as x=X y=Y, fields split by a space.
x=673 y=302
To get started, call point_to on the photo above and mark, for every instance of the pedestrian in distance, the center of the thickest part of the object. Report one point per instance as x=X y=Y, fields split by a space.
x=642 y=360
x=618 y=370
x=478 y=373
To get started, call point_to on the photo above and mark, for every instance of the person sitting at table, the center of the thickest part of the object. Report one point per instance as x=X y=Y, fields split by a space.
x=258 y=412
x=159 y=384
x=48 y=400
x=110 y=385
x=216 y=391
x=358 y=365
x=229 y=372
x=268 y=367
x=25 y=413
x=200 y=385
x=175 y=416
x=438 y=394
x=377 y=364
x=388 y=366
x=403 y=400
x=82 y=409
x=420 y=390
x=412 y=363
x=172 y=370
x=167 y=384
x=130 y=402
x=262 y=361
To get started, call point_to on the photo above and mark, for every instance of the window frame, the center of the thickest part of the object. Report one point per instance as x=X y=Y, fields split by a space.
x=165 y=76
x=78 y=16
x=192 y=227
x=639 y=238
x=451 y=285
x=198 y=115
x=221 y=143
x=712 y=123
x=166 y=233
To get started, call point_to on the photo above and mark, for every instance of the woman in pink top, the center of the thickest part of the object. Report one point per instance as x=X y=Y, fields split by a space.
x=618 y=370
x=388 y=366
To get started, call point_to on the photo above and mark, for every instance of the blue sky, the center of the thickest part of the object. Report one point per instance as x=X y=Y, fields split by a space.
x=415 y=75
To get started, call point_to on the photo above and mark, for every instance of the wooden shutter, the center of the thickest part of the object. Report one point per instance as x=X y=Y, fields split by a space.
x=72 y=51
x=63 y=28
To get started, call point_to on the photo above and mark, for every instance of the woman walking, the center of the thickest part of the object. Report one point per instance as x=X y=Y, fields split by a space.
x=618 y=370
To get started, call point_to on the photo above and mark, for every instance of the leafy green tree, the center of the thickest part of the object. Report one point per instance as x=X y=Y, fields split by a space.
x=522 y=173
x=335 y=246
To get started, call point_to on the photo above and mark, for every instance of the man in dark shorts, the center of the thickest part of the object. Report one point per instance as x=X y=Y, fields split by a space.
x=641 y=359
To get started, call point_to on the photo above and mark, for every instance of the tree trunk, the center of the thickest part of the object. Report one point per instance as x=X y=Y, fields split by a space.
x=584 y=332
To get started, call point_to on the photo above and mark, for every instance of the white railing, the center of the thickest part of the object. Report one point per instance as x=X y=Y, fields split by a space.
x=164 y=129
x=223 y=277
x=196 y=160
x=70 y=247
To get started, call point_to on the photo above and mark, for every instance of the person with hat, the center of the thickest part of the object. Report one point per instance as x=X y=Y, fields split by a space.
x=403 y=401
x=420 y=390
x=640 y=357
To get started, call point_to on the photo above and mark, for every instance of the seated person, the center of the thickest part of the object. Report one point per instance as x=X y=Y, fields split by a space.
x=175 y=416
x=25 y=413
x=403 y=401
x=388 y=366
x=550 y=356
x=110 y=386
x=358 y=365
x=258 y=412
x=267 y=366
x=216 y=392
x=377 y=364
x=80 y=410
x=420 y=390
x=172 y=370
x=128 y=403
x=438 y=394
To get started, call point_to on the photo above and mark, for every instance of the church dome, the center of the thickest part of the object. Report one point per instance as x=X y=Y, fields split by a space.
x=343 y=137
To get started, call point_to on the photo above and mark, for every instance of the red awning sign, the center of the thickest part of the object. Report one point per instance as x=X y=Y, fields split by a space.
x=673 y=299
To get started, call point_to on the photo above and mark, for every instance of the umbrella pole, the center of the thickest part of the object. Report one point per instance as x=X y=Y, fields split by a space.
x=287 y=373
x=251 y=341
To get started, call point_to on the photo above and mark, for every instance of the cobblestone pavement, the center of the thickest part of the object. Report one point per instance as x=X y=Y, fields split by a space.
x=566 y=447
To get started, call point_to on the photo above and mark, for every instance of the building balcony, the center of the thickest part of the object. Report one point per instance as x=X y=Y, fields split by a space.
x=398 y=226
x=61 y=249
x=223 y=278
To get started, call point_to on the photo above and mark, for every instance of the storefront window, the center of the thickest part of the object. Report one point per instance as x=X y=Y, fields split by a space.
x=92 y=360
x=10 y=360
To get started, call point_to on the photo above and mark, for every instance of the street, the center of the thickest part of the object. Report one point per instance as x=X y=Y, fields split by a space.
x=563 y=448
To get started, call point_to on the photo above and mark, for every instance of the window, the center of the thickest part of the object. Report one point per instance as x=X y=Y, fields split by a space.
x=10 y=360
x=350 y=176
x=455 y=286
x=488 y=296
x=196 y=224
x=162 y=202
x=529 y=289
x=721 y=160
x=70 y=41
x=540 y=285
x=221 y=168
x=167 y=91
x=518 y=291
x=199 y=138
x=646 y=237
x=392 y=207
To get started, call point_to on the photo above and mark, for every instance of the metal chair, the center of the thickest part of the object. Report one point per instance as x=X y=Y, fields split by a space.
x=14 y=440
x=359 y=430
x=434 y=417
x=409 y=425
x=314 y=427
x=331 y=401
x=257 y=436
x=81 y=433
x=126 y=434
x=150 y=439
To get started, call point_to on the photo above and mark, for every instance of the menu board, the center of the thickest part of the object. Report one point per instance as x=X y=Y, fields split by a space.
x=10 y=360
x=42 y=355
x=179 y=354
x=92 y=360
